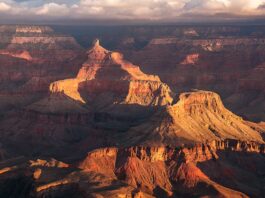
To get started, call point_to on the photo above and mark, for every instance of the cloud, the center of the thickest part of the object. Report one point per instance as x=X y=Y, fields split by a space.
x=262 y=6
x=127 y=9
x=4 y=7
x=53 y=9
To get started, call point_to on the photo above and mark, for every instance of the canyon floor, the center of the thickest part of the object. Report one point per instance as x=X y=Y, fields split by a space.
x=165 y=112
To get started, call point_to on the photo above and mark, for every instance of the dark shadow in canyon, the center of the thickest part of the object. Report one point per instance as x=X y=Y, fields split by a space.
x=239 y=170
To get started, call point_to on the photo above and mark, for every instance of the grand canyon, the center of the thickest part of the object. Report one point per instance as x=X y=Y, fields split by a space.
x=132 y=111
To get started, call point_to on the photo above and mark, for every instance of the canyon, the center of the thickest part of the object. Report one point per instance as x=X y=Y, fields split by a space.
x=165 y=112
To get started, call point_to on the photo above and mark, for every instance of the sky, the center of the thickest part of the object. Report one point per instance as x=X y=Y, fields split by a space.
x=129 y=10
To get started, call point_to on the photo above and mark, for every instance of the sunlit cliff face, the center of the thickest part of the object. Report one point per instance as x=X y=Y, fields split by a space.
x=105 y=70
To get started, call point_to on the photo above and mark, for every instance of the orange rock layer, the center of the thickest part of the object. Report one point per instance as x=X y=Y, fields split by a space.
x=177 y=171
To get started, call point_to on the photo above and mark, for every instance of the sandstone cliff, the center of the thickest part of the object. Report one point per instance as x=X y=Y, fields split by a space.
x=107 y=72
x=226 y=168
x=165 y=171
x=229 y=65
x=31 y=58
x=197 y=117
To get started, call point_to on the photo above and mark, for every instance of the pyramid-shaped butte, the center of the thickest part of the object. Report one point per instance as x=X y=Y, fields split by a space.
x=102 y=64
x=106 y=77
x=96 y=56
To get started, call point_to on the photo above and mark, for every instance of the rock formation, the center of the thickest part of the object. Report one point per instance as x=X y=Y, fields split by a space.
x=198 y=116
x=107 y=72
x=185 y=171
x=31 y=58
x=22 y=55
x=32 y=29
x=191 y=59
x=92 y=124
x=217 y=168
x=219 y=61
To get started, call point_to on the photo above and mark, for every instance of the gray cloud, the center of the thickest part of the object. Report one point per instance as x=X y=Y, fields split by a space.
x=262 y=6
x=152 y=10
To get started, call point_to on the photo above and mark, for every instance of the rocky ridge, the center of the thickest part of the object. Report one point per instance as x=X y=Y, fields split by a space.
x=198 y=116
x=219 y=63
x=174 y=170
x=31 y=58
x=106 y=71
x=216 y=168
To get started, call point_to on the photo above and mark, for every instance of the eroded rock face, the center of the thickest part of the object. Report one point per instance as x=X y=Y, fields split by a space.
x=219 y=63
x=22 y=55
x=197 y=117
x=178 y=171
x=147 y=93
x=107 y=72
x=117 y=91
x=217 y=168
x=33 y=29
x=191 y=59
x=31 y=58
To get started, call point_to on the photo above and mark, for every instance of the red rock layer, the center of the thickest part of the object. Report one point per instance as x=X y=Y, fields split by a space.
x=107 y=72
x=198 y=116
x=165 y=171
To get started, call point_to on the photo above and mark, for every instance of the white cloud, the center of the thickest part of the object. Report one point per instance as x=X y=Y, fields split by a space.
x=127 y=9
x=4 y=7
x=53 y=9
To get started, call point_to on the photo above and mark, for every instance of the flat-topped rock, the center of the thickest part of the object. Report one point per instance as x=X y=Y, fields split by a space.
x=198 y=116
